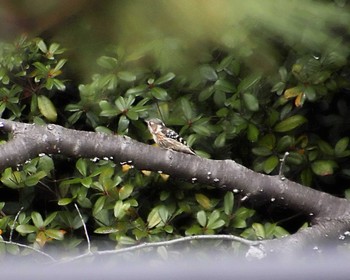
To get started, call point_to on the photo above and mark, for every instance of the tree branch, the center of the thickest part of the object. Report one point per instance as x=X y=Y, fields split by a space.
x=330 y=213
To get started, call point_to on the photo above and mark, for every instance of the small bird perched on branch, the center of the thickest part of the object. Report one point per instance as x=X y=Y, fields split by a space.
x=167 y=138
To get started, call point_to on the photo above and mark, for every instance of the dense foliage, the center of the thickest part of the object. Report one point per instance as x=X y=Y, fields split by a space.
x=223 y=109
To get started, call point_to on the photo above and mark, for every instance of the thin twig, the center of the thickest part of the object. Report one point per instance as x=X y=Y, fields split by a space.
x=175 y=241
x=182 y=239
x=171 y=242
x=85 y=230
x=14 y=223
x=29 y=247
x=283 y=163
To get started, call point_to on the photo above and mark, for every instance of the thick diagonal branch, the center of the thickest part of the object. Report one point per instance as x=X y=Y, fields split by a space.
x=30 y=140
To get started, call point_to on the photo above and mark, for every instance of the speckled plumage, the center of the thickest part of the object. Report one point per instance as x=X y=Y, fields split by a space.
x=166 y=137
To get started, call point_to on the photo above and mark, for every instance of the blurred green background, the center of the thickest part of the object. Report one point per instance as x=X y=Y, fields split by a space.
x=186 y=29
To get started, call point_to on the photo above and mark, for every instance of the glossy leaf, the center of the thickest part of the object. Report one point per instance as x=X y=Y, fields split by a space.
x=47 y=108
x=323 y=167
x=164 y=79
x=153 y=218
x=125 y=191
x=252 y=133
x=119 y=210
x=248 y=82
x=25 y=229
x=159 y=93
x=55 y=234
x=228 y=203
x=259 y=230
x=126 y=76
x=290 y=123
x=81 y=166
x=107 y=62
x=37 y=220
x=341 y=146
x=203 y=200
x=65 y=201
x=202 y=218
x=251 y=102
x=220 y=140
x=270 y=164
x=208 y=73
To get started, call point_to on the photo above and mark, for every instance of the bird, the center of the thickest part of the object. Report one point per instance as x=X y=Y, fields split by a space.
x=166 y=137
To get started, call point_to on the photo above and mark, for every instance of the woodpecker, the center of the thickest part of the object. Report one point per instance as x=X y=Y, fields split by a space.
x=167 y=138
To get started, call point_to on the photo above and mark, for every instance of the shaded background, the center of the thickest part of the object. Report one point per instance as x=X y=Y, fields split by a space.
x=257 y=30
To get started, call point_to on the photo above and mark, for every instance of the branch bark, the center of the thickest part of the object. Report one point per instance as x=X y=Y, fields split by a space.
x=330 y=216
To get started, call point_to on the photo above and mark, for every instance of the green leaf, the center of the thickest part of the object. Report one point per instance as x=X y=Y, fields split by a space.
x=248 y=82
x=159 y=93
x=186 y=108
x=228 y=203
x=12 y=179
x=34 y=179
x=164 y=79
x=126 y=76
x=126 y=240
x=270 y=164
x=203 y=200
x=46 y=108
x=280 y=232
x=42 y=46
x=164 y=213
x=341 y=146
x=295 y=158
x=325 y=147
x=220 y=140
x=219 y=98
x=202 y=218
x=205 y=94
x=60 y=64
x=252 y=133
x=123 y=124
x=208 y=73
x=41 y=67
x=214 y=220
x=59 y=84
x=81 y=166
x=284 y=143
x=153 y=218
x=50 y=218
x=251 y=102
x=25 y=229
x=107 y=62
x=216 y=224
x=119 y=210
x=125 y=191
x=323 y=167
x=37 y=220
x=137 y=90
x=290 y=123
x=259 y=230
x=99 y=204
x=201 y=130
x=306 y=177
x=105 y=230
x=224 y=86
x=261 y=151
x=86 y=182
x=55 y=234
x=65 y=201
x=310 y=93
